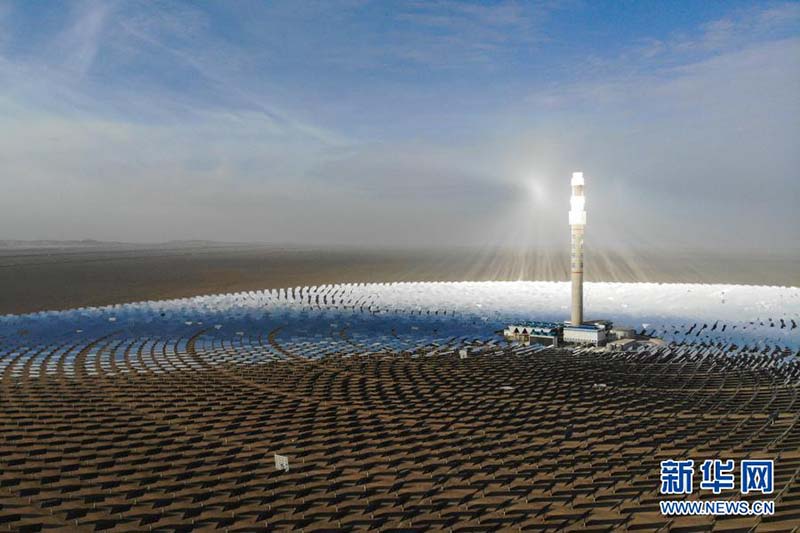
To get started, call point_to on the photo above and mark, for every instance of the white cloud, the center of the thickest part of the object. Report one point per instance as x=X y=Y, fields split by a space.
x=672 y=133
x=702 y=154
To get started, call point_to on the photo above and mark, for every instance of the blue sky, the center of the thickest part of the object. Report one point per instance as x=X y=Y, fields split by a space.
x=400 y=123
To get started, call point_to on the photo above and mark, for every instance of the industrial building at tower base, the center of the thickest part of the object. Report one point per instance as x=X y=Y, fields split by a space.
x=576 y=331
x=594 y=333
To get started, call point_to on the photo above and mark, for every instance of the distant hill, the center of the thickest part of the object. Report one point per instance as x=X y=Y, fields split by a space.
x=85 y=243
x=95 y=244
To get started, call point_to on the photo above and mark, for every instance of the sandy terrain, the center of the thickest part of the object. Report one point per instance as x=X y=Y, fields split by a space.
x=59 y=277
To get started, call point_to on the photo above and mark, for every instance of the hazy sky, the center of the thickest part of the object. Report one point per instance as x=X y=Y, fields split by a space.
x=401 y=123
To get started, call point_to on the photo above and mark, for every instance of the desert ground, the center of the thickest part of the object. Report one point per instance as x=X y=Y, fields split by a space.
x=58 y=275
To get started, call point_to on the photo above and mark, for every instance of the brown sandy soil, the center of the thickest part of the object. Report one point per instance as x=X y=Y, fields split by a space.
x=34 y=279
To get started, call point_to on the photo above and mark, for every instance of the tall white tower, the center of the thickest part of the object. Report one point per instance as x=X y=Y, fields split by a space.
x=577 y=223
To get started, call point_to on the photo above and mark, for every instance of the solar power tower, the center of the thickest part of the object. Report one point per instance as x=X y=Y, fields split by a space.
x=577 y=224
